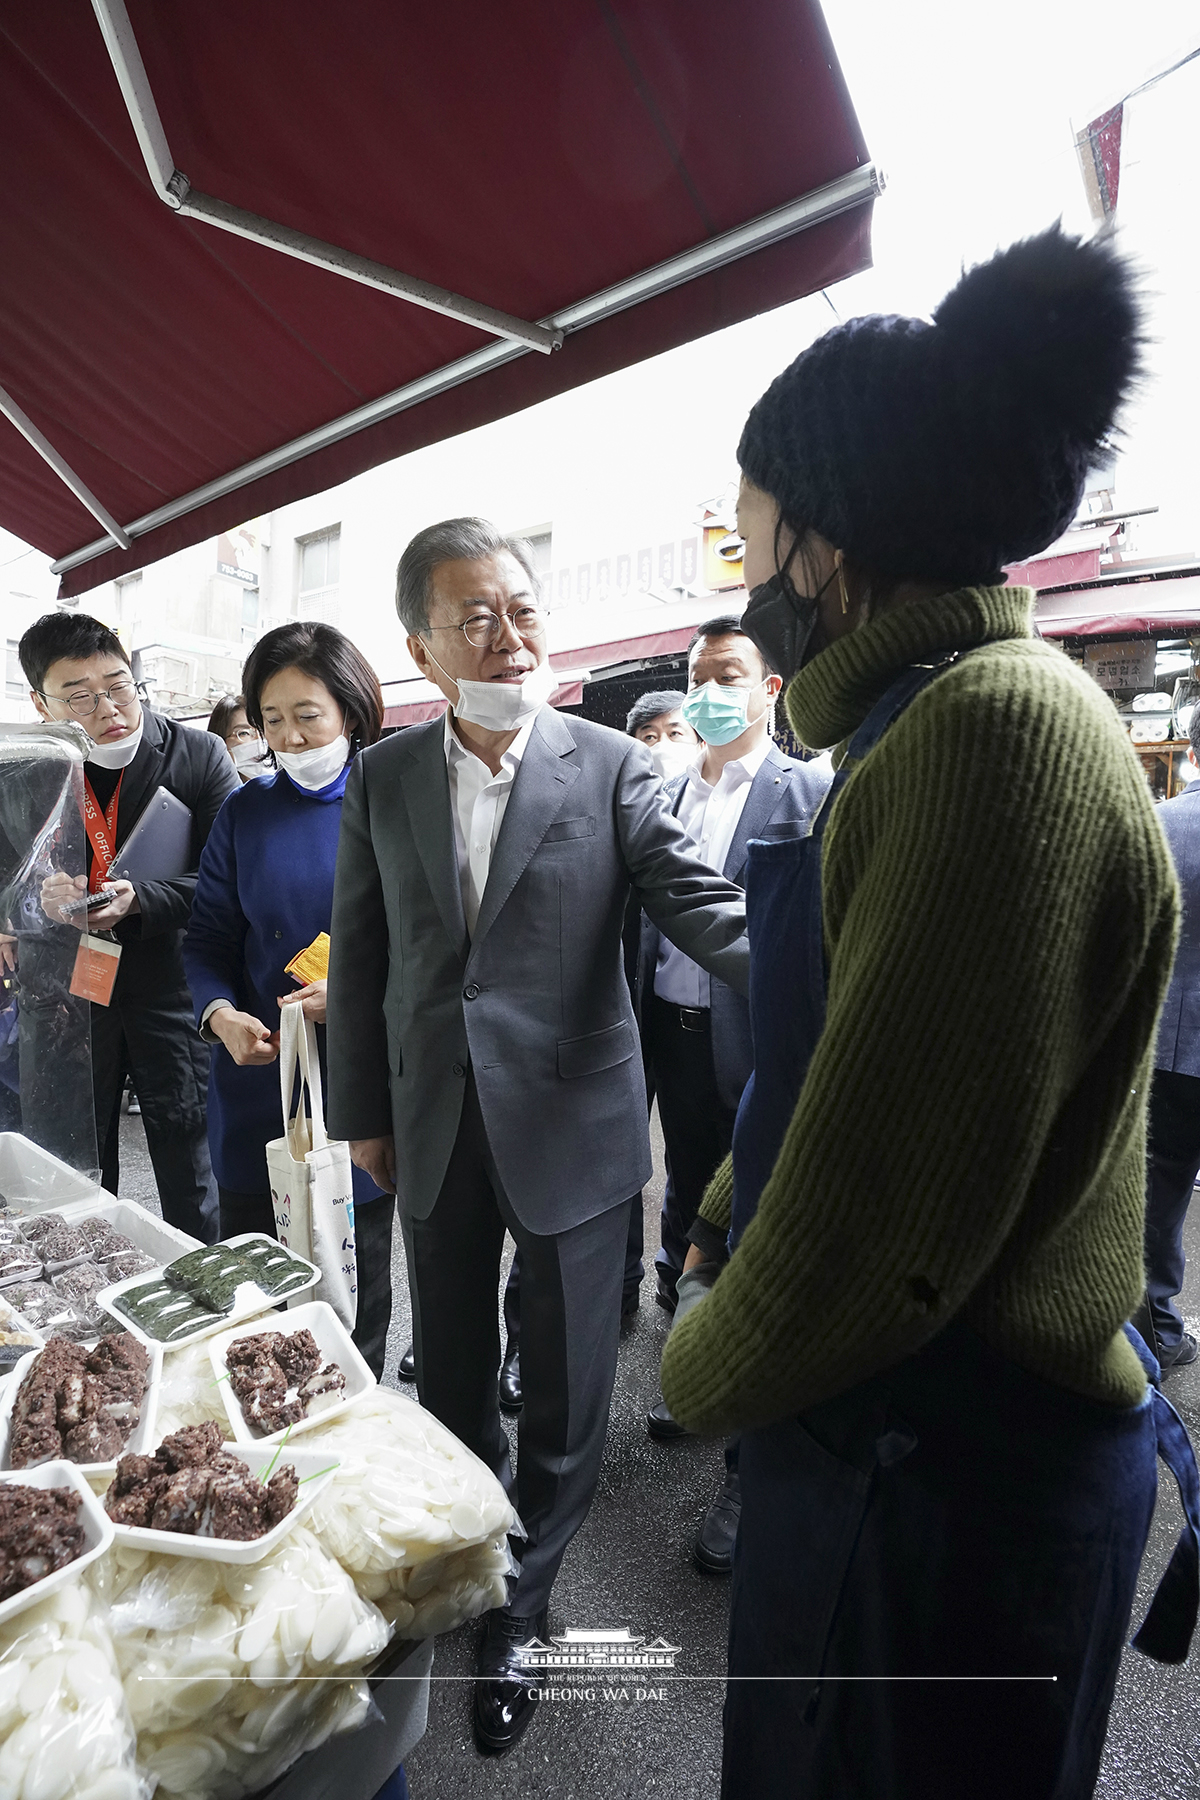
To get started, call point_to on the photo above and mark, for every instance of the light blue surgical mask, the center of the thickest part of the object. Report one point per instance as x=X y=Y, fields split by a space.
x=718 y=714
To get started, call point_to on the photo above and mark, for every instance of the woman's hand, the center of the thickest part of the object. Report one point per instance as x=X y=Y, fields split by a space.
x=312 y=1001
x=8 y=952
x=246 y=1038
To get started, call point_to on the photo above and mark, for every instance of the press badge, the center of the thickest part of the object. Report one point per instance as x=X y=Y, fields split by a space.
x=95 y=969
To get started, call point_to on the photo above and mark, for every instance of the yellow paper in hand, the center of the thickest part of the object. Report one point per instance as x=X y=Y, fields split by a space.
x=311 y=964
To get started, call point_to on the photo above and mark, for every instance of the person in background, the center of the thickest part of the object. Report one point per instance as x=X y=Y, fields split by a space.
x=696 y=1030
x=265 y=892
x=934 y=1207
x=1174 y=1129
x=657 y=721
x=484 y=1057
x=77 y=670
x=247 y=747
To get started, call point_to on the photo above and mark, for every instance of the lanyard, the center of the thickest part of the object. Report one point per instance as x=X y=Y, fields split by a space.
x=102 y=832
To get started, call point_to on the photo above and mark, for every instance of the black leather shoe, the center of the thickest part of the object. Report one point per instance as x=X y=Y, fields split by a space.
x=511 y=1397
x=665 y=1295
x=503 y=1685
x=1183 y=1353
x=662 y=1426
x=713 y=1548
x=630 y=1302
x=407 y=1367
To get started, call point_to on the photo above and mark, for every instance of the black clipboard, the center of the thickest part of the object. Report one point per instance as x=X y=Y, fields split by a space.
x=159 y=848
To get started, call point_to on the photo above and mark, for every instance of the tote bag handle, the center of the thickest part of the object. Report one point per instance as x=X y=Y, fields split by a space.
x=298 y=1046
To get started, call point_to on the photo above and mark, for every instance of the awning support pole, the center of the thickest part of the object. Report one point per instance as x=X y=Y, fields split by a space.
x=173 y=187
x=64 y=471
x=856 y=189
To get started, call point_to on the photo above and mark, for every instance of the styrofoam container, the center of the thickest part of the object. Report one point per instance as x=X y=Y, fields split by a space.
x=332 y=1340
x=98 y=1531
x=249 y=1302
x=144 y=1229
x=34 y=1181
x=140 y=1442
x=315 y=1470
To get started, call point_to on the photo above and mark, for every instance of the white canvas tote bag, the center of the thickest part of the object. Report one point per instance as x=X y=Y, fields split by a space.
x=310 y=1177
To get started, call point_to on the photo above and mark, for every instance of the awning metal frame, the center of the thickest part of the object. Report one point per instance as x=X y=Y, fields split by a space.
x=514 y=337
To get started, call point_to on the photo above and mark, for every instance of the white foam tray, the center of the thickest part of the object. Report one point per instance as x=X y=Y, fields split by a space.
x=98 y=1531
x=140 y=1442
x=145 y=1229
x=316 y=1471
x=249 y=1302
x=335 y=1344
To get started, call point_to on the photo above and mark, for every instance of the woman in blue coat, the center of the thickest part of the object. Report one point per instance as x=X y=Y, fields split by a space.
x=265 y=891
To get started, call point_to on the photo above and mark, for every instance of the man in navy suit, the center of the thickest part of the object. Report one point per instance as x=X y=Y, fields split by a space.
x=695 y=1028
x=1174 y=1136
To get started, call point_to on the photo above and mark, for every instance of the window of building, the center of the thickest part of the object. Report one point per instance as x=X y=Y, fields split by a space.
x=317 y=561
x=15 y=685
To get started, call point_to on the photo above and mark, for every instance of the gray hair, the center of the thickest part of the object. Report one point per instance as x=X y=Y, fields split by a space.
x=452 y=540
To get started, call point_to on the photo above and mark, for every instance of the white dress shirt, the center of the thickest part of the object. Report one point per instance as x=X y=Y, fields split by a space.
x=478 y=801
x=710 y=816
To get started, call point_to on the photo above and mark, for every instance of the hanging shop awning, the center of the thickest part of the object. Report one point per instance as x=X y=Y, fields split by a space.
x=253 y=250
x=1116 y=606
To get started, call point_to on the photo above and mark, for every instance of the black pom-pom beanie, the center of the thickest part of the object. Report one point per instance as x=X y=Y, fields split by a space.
x=945 y=450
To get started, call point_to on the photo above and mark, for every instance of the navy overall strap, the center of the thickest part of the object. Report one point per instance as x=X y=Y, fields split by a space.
x=1166 y=1631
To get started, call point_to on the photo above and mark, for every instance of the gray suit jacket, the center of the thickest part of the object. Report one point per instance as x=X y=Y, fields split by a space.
x=1178 y=1046
x=784 y=798
x=536 y=1003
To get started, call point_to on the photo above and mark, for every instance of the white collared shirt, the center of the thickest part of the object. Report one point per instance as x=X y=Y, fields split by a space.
x=478 y=801
x=710 y=816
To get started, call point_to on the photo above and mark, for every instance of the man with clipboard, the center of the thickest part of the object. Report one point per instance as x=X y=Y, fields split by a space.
x=142 y=766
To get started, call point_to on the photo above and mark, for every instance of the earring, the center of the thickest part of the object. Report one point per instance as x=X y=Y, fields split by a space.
x=841 y=575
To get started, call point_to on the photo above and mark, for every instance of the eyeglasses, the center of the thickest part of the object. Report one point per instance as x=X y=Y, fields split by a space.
x=484 y=628
x=242 y=734
x=121 y=693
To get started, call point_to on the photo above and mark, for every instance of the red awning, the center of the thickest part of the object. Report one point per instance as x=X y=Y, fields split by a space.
x=622 y=173
x=1114 y=608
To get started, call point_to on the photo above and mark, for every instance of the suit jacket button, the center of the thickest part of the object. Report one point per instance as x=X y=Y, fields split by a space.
x=279 y=934
x=471 y=992
x=458 y=1069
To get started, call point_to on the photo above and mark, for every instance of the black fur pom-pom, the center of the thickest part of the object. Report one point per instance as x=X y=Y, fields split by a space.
x=1047 y=334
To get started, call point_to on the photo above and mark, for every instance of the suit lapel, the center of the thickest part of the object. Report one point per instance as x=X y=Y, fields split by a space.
x=766 y=791
x=547 y=770
x=143 y=775
x=426 y=787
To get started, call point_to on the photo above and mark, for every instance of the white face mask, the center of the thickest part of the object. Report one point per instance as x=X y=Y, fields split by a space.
x=250 y=758
x=313 y=769
x=671 y=758
x=119 y=755
x=501 y=705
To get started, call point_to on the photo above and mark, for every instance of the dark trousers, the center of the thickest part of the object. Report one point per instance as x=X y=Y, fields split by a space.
x=156 y=1043
x=954 y=1518
x=1174 y=1160
x=697 y=1124
x=635 y=1268
x=373 y=1247
x=570 y=1323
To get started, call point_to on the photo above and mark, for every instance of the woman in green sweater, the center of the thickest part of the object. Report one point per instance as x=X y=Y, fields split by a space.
x=933 y=1210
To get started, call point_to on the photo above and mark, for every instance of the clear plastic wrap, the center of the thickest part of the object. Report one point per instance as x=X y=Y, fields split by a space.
x=218 y=1662
x=417 y=1520
x=189 y=1394
x=65 y=1730
x=46 y=1310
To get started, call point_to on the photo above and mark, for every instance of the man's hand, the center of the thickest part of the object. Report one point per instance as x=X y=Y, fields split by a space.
x=58 y=890
x=377 y=1156
x=8 y=952
x=312 y=1001
x=246 y=1038
x=694 y=1258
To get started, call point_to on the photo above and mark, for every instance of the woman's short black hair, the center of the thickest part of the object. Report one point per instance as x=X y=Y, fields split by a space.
x=65 y=634
x=220 y=719
x=648 y=707
x=326 y=654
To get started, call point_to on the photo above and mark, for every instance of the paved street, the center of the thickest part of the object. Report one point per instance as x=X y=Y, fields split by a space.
x=630 y=1566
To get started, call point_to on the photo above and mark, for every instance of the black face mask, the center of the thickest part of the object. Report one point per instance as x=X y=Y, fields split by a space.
x=781 y=621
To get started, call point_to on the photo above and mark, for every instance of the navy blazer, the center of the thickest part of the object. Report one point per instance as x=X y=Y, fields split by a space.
x=1179 y=1029
x=785 y=796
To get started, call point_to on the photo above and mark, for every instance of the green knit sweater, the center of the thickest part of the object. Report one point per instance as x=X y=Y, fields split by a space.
x=1000 y=916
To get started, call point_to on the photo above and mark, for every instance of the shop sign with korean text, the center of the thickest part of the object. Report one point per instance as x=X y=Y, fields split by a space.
x=1129 y=665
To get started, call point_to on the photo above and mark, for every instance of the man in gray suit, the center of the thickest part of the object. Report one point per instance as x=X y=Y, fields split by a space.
x=483 y=1055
